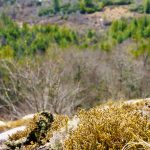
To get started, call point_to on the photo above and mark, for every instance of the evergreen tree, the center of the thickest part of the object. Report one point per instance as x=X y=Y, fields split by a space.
x=88 y=3
x=147 y=6
x=56 y=5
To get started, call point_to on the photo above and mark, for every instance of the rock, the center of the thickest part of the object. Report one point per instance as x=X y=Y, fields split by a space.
x=30 y=116
x=5 y=135
x=2 y=123
x=60 y=136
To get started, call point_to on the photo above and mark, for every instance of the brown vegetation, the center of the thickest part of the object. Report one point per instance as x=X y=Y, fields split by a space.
x=71 y=80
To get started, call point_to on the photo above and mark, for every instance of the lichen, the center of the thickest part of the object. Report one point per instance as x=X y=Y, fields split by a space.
x=111 y=128
x=35 y=132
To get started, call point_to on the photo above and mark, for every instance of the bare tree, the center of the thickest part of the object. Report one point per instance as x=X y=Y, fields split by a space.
x=37 y=87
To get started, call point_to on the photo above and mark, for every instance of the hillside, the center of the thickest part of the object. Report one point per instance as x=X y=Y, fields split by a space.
x=62 y=61
x=95 y=50
x=35 y=11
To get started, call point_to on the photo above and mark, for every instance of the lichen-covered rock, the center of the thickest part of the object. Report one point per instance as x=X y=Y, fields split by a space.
x=58 y=137
x=34 y=134
x=120 y=125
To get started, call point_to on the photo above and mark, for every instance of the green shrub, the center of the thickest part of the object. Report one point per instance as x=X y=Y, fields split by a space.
x=6 y=53
x=28 y=41
x=147 y=31
x=137 y=8
x=39 y=38
x=105 y=46
x=88 y=6
x=122 y=29
x=46 y=12
x=122 y=2
x=141 y=8
x=84 y=6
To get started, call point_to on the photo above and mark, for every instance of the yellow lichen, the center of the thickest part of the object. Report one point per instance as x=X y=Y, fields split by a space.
x=109 y=128
x=114 y=126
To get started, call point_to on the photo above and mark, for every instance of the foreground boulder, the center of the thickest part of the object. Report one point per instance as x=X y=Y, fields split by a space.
x=121 y=125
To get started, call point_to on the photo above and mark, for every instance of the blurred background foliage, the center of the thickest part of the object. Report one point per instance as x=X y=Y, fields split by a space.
x=61 y=68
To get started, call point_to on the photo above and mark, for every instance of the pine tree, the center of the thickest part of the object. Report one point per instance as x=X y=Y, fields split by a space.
x=88 y=3
x=56 y=5
x=147 y=6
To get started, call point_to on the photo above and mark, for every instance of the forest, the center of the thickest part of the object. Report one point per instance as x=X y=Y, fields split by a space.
x=88 y=64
